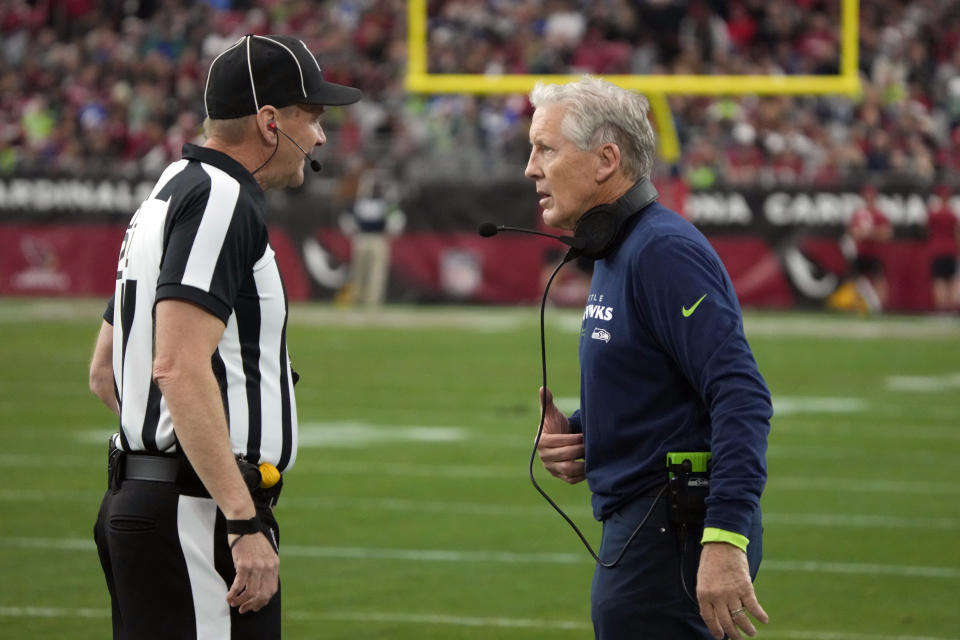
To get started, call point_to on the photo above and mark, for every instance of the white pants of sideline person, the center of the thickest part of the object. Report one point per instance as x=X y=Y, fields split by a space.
x=369 y=266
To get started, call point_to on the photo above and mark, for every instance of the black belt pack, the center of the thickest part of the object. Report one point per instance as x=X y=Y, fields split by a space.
x=688 y=486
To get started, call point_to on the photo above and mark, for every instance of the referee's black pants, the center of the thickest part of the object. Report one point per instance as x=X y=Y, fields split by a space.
x=168 y=567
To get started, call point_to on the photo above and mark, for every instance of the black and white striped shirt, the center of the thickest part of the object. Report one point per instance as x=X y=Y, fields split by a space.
x=201 y=237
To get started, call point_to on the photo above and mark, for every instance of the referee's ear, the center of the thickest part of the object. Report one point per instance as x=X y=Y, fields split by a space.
x=266 y=117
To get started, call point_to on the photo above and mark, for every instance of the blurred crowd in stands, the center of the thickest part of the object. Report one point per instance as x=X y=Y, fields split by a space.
x=119 y=83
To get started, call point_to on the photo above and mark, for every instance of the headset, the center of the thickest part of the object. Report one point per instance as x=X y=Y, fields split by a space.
x=601 y=227
x=597 y=233
x=314 y=164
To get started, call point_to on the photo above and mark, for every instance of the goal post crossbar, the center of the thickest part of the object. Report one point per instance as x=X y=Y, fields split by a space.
x=655 y=87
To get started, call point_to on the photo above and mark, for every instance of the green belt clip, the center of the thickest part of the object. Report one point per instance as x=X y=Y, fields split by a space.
x=699 y=461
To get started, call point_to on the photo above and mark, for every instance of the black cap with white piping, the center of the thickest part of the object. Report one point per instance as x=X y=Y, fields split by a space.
x=275 y=70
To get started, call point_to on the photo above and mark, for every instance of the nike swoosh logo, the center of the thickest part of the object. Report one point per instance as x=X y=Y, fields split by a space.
x=689 y=312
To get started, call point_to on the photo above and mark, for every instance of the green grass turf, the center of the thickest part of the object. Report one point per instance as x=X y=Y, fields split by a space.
x=862 y=514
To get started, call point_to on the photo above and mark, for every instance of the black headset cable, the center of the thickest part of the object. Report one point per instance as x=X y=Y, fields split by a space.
x=275 y=147
x=571 y=254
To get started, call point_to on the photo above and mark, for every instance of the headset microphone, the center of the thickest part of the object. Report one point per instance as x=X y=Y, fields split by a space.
x=314 y=164
x=489 y=229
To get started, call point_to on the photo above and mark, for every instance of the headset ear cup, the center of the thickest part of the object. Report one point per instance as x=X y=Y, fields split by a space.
x=599 y=227
x=602 y=226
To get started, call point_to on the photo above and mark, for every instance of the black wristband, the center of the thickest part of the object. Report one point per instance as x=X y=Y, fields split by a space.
x=244 y=527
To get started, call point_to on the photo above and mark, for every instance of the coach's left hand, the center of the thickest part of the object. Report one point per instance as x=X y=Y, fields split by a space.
x=725 y=591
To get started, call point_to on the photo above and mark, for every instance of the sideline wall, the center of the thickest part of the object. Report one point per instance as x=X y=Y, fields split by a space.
x=59 y=236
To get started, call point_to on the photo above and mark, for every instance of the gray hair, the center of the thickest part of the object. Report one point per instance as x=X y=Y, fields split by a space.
x=599 y=113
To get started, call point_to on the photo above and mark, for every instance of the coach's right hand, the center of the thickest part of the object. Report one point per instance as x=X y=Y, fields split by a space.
x=560 y=451
x=258 y=568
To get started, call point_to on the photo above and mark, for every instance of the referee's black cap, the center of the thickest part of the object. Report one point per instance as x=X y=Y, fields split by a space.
x=275 y=70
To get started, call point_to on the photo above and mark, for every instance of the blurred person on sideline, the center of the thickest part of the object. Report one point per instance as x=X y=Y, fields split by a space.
x=868 y=230
x=192 y=356
x=664 y=367
x=373 y=221
x=943 y=235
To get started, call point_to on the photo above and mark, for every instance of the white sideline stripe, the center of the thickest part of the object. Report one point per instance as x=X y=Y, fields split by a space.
x=776 y=483
x=429 y=618
x=903 y=433
x=851 y=485
x=872 y=521
x=349 y=434
x=52 y=612
x=795 y=519
x=43 y=495
x=923 y=384
x=853 y=568
x=415 y=470
x=859 y=520
x=439 y=618
x=357 y=434
x=904 y=455
x=42 y=460
x=794 y=405
x=56 y=544
x=509 y=557
x=503 y=557
x=434 y=555
x=451 y=620
x=398 y=317
x=360 y=434
x=792 y=483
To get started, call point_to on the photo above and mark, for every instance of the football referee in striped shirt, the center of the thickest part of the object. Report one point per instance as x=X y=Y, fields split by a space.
x=192 y=355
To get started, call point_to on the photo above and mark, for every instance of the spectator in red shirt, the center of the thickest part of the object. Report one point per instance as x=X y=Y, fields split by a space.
x=870 y=230
x=741 y=27
x=943 y=229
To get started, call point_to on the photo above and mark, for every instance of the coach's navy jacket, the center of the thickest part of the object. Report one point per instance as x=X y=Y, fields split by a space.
x=665 y=366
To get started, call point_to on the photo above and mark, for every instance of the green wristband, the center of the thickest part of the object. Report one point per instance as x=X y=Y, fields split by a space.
x=711 y=534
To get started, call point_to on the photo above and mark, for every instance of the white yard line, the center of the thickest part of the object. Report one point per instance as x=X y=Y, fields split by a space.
x=510 y=557
x=52 y=612
x=386 y=617
x=45 y=461
x=904 y=432
x=512 y=473
x=493 y=318
x=862 y=485
x=413 y=470
x=396 y=505
x=390 y=617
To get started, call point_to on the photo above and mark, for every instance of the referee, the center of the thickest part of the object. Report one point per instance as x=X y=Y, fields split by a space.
x=192 y=355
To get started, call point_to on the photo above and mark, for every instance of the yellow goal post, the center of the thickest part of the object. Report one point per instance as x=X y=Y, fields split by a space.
x=655 y=87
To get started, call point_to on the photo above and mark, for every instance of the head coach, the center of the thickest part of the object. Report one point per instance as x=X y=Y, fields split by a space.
x=192 y=356
x=668 y=384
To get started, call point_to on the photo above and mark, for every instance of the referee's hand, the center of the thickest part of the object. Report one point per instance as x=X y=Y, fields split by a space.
x=258 y=568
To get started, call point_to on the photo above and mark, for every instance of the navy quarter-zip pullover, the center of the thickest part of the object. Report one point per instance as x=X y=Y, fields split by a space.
x=665 y=366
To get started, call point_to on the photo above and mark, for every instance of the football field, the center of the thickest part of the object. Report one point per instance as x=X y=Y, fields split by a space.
x=409 y=513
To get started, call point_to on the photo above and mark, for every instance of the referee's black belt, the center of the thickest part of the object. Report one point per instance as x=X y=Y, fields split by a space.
x=177 y=470
x=150 y=467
